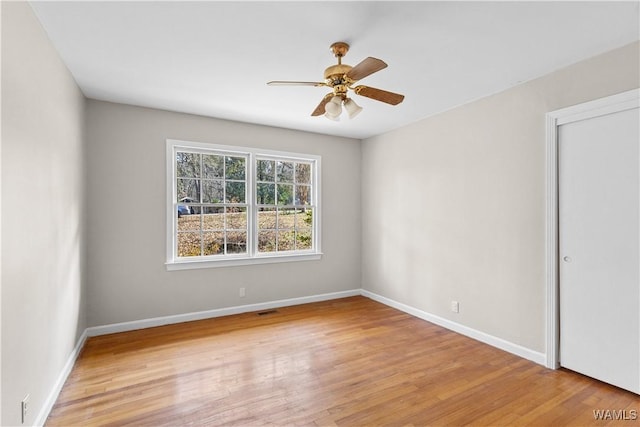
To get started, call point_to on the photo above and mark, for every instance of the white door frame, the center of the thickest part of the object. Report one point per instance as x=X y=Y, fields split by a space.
x=611 y=104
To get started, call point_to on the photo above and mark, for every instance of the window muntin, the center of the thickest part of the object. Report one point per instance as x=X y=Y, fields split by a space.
x=231 y=203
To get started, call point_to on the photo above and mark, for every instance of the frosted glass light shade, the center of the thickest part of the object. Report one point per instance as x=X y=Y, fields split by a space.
x=334 y=106
x=352 y=108
x=335 y=118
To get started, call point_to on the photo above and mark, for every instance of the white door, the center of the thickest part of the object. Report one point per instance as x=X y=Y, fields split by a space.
x=599 y=268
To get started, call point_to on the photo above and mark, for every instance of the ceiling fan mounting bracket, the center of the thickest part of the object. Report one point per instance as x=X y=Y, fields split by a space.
x=339 y=49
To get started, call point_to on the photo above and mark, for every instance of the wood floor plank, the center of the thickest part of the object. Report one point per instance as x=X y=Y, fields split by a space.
x=347 y=362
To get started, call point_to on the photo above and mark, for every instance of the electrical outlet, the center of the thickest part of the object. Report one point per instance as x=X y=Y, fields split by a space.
x=242 y=292
x=25 y=408
x=455 y=306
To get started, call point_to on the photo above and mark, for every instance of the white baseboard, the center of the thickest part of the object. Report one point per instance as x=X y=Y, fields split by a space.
x=500 y=343
x=62 y=378
x=208 y=314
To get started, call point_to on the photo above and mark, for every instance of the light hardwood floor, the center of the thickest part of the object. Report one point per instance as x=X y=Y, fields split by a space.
x=347 y=362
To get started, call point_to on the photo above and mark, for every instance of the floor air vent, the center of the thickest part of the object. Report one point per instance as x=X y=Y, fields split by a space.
x=262 y=313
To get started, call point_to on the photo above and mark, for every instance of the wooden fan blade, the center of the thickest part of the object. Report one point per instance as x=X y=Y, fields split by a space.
x=366 y=67
x=287 y=83
x=379 y=94
x=320 y=108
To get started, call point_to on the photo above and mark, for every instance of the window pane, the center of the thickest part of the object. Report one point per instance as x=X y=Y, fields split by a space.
x=188 y=190
x=235 y=168
x=304 y=218
x=212 y=166
x=266 y=194
x=235 y=192
x=188 y=222
x=285 y=194
x=188 y=165
x=213 y=243
x=303 y=195
x=303 y=173
x=285 y=171
x=188 y=244
x=286 y=218
x=236 y=242
x=236 y=218
x=285 y=241
x=266 y=170
x=212 y=191
x=267 y=241
x=266 y=218
x=213 y=218
x=303 y=239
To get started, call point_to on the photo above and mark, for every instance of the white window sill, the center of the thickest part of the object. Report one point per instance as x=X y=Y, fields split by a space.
x=231 y=262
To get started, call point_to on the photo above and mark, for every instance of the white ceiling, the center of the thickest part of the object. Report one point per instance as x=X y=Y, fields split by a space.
x=214 y=58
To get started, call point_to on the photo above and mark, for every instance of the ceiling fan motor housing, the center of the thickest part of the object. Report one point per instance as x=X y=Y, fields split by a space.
x=335 y=74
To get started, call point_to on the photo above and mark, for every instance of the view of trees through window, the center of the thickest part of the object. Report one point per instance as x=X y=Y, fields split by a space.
x=283 y=198
x=212 y=209
x=213 y=213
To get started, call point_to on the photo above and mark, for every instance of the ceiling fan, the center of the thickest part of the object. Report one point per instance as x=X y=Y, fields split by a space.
x=340 y=78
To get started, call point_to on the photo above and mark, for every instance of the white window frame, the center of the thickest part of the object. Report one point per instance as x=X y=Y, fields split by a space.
x=173 y=262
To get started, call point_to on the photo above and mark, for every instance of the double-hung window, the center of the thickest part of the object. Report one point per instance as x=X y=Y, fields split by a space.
x=230 y=205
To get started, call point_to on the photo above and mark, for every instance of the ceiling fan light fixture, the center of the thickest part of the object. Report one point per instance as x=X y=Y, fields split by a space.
x=335 y=118
x=334 y=107
x=352 y=108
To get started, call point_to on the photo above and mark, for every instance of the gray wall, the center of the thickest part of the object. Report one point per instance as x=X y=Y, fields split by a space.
x=454 y=205
x=126 y=231
x=42 y=213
